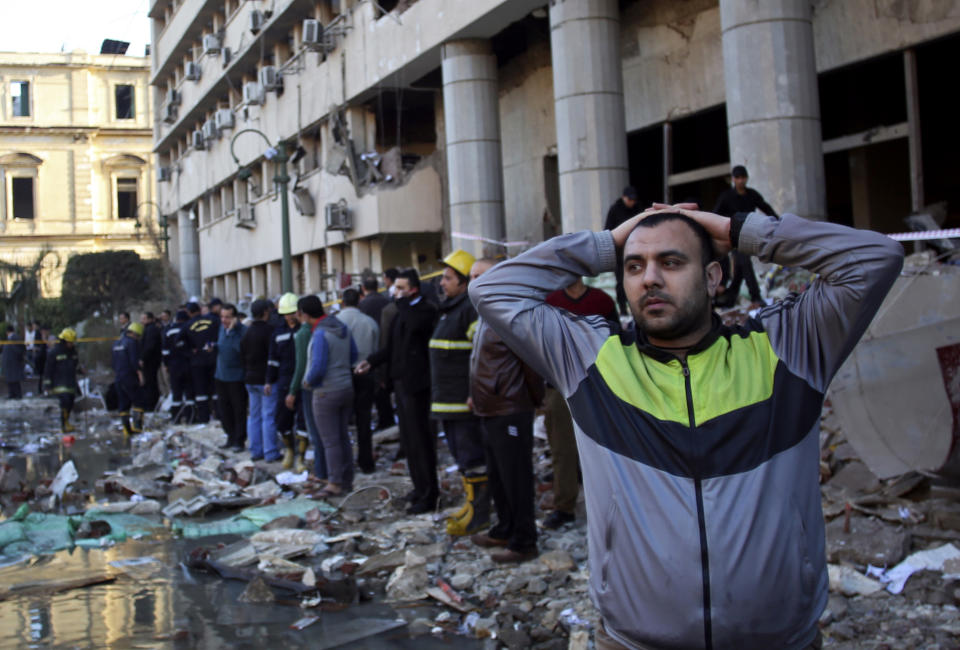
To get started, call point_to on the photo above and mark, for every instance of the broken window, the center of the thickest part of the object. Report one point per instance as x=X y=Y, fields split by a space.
x=21 y=189
x=20 y=91
x=126 y=198
x=125 y=102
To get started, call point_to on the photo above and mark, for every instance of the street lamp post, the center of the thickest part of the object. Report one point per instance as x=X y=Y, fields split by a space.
x=279 y=157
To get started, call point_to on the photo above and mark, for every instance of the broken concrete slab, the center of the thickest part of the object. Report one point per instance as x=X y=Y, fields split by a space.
x=868 y=542
x=850 y=582
x=382 y=562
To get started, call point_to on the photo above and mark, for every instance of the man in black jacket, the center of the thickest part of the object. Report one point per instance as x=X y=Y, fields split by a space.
x=408 y=362
x=261 y=428
x=739 y=199
x=151 y=355
x=622 y=209
x=200 y=335
x=176 y=359
x=373 y=304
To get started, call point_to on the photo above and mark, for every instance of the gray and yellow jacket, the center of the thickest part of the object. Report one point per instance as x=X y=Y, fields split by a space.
x=450 y=348
x=701 y=477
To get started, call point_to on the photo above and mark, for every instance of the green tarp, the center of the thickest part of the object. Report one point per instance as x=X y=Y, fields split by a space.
x=250 y=520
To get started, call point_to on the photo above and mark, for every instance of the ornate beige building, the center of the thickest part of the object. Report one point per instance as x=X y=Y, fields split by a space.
x=75 y=165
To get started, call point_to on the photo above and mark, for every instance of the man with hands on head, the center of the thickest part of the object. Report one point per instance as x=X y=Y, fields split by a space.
x=699 y=442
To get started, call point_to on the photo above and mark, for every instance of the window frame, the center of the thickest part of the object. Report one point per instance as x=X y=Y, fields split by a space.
x=116 y=102
x=28 y=83
x=115 y=177
x=9 y=174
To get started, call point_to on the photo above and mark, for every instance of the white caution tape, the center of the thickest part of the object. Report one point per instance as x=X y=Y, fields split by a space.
x=507 y=244
x=923 y=235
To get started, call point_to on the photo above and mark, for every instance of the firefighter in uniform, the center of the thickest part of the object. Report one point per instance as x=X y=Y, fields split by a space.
x=281 y=365
x=200 y=336
x=60 y=375
x=176 y=359
x=450 y=349
x=128 y=379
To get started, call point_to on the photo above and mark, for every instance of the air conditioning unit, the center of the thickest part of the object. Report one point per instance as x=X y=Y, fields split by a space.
x=256 y=21
x=223 y=118
x=197 y=139
x=211 y=44
x=312 y=33
x=338 y=216
x=246 y=218
x=163 y=174
x=304 y=202
x=252 y=93
x=270 y=79
x=173 y=97
x=210 y=130
x=192 y=71
x=169 y=113
x=226 y=56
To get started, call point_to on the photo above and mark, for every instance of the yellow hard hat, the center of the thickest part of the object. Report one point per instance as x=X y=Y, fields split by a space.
x=68 y=334
x=288 y=303
x=136 y=328
x=460 y=261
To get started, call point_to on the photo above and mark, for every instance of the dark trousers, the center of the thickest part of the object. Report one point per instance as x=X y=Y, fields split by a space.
x=381 y=397
x=128 y=394
x=738 y=268
x=181 y=388
x=232 y=397
x=66 y=401
x=284 y=418
x=563 y=452
x=14 y=391
x=363 y=392
x=417 y=438
x=508 y=440
x=465 y=437
x=331 y=410
x=151 y=389
x=201 y=377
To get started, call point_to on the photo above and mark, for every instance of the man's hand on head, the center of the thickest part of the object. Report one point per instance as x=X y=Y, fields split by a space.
x=716 y=226
x=622 y=232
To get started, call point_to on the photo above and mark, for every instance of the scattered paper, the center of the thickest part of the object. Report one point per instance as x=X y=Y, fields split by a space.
x=289 y=478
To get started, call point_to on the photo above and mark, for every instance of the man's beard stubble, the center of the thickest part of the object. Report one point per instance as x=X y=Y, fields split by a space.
x=687 y=317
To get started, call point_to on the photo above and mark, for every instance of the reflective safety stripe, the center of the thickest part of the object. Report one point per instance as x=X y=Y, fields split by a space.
x=189 y=402
x=202 y=398
x=172 y=404
x=283 y=337
x=166 y=352
x=472 y=329
x=446 y=344
x=445 y=407
x=173 y=331
x=273 y=363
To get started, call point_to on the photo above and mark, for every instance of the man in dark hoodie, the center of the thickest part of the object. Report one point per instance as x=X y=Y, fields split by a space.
x=255 y=346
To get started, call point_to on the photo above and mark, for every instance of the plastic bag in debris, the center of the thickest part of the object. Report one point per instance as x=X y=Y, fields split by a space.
x=249 y=520
x=66 y=476
x=123 y=525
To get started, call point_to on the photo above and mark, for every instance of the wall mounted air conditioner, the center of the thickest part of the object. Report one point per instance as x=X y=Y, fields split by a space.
x=192 y=71
x=304 y=202
x=210 y=130
x=211 y=44
x=197 y=139
x=173 y=97
x=223 y=118
x=337 y=216
x=246 y=218
x=163 y=174
x=256 y=21
x=312 y=33
x=252 y=93
x=270 y=79
x=169 y=113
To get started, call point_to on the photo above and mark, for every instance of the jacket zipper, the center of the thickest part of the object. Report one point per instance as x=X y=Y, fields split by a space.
x=701 y=521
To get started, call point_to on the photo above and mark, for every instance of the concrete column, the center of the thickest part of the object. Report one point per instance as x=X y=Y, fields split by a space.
x=359 y=255
x=296 y=264
x=330 y=259
x=312 y=272
x=243 y=284
x=230 y=288
x=258 y=282
x=773 y=106
x=274 y=283
x=588 y=96
x=189 y=253
x=474 y=166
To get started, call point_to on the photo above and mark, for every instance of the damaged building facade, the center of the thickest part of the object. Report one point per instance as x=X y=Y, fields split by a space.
x=75 y=163
x=420 y=126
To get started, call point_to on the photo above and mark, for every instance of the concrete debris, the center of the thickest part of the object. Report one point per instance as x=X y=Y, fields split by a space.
x=850 y=582
x=257 y=592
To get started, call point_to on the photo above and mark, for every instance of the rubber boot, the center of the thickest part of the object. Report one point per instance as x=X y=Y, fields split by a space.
x=137 y=424
x=65 y=425
x=475 y=516
x=287 y=451
x=301 y=466
x=125 y=422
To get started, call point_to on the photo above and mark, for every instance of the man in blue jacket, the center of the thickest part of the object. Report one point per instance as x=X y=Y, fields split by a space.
x=231 y=393
x=699 y=442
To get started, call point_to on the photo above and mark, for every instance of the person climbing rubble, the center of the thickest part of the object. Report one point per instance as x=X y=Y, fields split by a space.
x=60 y=375
x=128 y=378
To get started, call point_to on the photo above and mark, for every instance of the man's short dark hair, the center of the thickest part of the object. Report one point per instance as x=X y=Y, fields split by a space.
x=214 y=302
x=192 y=308
x=707 y=254
x=392 y=273
x=739 y=171
x=411 y=276
x=182 y=315
x=370 y=284
x=630 y=192
x=149 y=315
x=167 y=312
x=125 y=314
x=259 y=308
x=232 y=307
x=351 y=297
x=311 y=306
